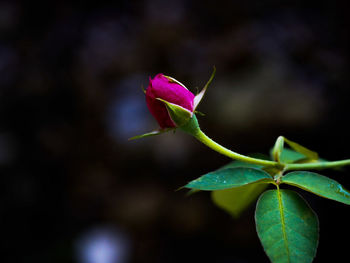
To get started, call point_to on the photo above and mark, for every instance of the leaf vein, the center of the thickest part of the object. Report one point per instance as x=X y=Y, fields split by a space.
x=280 y=205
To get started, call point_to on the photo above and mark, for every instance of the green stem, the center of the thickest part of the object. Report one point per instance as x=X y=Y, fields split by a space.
x=316 y=165
x=199 y=135
x=192 y=128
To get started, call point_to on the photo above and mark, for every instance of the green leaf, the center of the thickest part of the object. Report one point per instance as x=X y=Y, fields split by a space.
x=287 y=227
x=233 y=164
x=270 y=170
x=278 y=148
x=301 y=149
x=229 y=178
x=290 y=156
x=179 y=115
x=298 y=153
x=191 y=192
x=236 y=200
x=318 y=184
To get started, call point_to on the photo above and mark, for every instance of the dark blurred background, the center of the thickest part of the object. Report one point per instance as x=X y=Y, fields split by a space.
x=74 y=189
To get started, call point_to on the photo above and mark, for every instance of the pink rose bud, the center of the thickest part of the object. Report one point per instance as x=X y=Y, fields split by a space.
x=163 y=89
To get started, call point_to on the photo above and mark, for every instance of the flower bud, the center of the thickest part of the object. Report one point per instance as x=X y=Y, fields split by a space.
x=170 y=102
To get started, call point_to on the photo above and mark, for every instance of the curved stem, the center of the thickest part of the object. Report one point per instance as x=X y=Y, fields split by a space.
x=316 y=165
x=199 y=135
x=192 y=128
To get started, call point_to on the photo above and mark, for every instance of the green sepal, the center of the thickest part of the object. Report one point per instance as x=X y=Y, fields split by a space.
x=199 y=113
x=152 y=133
x=143 y=89
x=179 y=115
x=318 y=184
x=172 y=80
x=200 y=95
x=236 y=200
x=229 y=178
x=192 y=126
x=287 y=227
